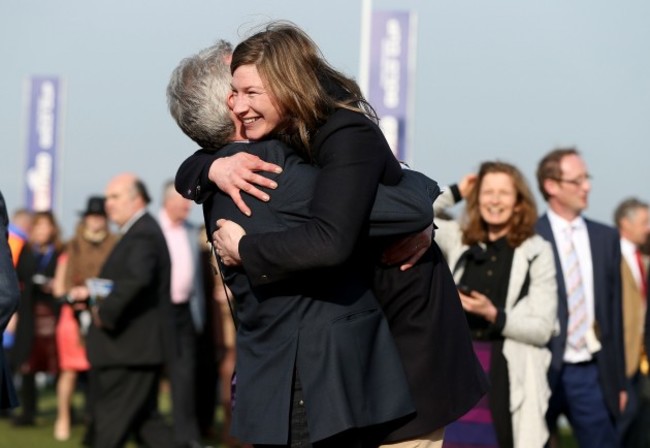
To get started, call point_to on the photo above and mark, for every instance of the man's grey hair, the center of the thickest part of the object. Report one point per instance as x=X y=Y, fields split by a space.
x=197 y=96
x=168 y=189
x=627 y=209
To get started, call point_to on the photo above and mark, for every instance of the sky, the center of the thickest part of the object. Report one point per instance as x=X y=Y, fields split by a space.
x=505 y=79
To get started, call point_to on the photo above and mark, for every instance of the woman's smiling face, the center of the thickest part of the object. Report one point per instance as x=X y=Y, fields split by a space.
x=253 y=104
x=497 y=200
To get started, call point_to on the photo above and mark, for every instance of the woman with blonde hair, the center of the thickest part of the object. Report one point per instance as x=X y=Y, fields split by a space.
x=506 y=279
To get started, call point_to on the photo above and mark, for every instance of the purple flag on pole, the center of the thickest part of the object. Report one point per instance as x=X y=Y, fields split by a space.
x=390 y=76
x=42 y=142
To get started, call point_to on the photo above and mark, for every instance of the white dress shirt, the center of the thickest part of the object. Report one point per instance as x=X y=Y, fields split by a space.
x=582 y=246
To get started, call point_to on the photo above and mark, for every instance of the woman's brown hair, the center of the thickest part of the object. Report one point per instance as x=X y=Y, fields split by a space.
x=522 y=222
x=55 y=239
x=304 y=86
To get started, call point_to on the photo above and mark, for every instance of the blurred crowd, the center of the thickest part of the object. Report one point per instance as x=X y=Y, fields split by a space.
x=484 y=247
x=367 y=313
x=47 y=336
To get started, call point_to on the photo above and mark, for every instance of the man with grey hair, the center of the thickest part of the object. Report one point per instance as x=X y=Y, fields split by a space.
x=632 y=217
x=197 y=97
x=194 y=80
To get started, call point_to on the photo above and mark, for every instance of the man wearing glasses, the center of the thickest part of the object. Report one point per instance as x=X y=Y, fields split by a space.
x=587 y=371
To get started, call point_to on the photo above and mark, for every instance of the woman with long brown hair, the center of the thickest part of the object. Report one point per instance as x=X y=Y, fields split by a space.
x=283 y=88
x=506 y=279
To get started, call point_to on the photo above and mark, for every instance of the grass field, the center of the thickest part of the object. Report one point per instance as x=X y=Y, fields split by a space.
x=41 y=435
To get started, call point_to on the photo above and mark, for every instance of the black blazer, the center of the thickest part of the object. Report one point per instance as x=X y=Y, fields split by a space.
x=9 y=293
x=134 y=313
x=327 y=324
x=606 y=260
x=422 y=304
x=647 y=320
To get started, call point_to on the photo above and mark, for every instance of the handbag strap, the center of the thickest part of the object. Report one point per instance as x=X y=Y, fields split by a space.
x=220 y=268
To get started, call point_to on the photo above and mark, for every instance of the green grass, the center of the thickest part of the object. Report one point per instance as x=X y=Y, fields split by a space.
x=41 y=435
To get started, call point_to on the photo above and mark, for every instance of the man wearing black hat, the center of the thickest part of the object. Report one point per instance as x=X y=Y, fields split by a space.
x=125 y=344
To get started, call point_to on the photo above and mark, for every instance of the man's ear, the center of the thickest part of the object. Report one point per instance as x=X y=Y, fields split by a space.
x=623 y=225
x=551 y=187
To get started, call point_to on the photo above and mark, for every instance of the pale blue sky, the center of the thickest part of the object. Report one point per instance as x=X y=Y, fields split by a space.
x=505 y=79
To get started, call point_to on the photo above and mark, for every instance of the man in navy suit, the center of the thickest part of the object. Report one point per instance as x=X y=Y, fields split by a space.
x=587 y=372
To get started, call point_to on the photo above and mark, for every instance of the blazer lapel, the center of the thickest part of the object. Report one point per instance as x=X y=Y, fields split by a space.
x=597 y=257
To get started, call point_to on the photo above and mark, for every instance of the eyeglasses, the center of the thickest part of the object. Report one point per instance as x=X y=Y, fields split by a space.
x=578 y=181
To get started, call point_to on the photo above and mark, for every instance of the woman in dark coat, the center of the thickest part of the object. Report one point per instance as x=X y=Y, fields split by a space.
x=329 y=122
x=35 y=348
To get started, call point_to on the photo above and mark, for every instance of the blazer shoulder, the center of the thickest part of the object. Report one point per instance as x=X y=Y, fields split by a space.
x=542 y=221
x=535 y=245
x=601 y=227
x=147 y=226
x=273 y=151
x=342 y=119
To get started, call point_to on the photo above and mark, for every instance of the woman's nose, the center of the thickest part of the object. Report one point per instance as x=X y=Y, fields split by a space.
x=238 y=104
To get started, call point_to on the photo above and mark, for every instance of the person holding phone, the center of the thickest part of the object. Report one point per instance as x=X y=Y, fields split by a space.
x=505 y=275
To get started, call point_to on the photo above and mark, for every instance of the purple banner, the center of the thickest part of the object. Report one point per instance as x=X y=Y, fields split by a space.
x=42 y=143
x=390 y=83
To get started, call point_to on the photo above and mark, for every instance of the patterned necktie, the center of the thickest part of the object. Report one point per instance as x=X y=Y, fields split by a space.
x=644 y=279
x=575 y=295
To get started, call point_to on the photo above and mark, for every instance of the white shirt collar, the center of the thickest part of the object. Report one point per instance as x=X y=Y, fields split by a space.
x=559 y=224
x=628 y=246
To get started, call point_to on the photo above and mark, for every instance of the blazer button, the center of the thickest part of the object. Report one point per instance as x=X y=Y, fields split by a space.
x=264 y=277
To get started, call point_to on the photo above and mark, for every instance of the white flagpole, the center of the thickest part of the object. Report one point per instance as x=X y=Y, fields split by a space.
x=364 y=54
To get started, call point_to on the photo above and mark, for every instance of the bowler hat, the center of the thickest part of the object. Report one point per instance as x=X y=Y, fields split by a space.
x=95 y=206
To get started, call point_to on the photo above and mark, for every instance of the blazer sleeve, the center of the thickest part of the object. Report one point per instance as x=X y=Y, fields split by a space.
x=398 y=209
x=353 y=158
x=616 y=305
x=403 y=208
x=137 y=266
x=192 y=180
x=647 y=319
x=532 y=319
x=9 y=290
